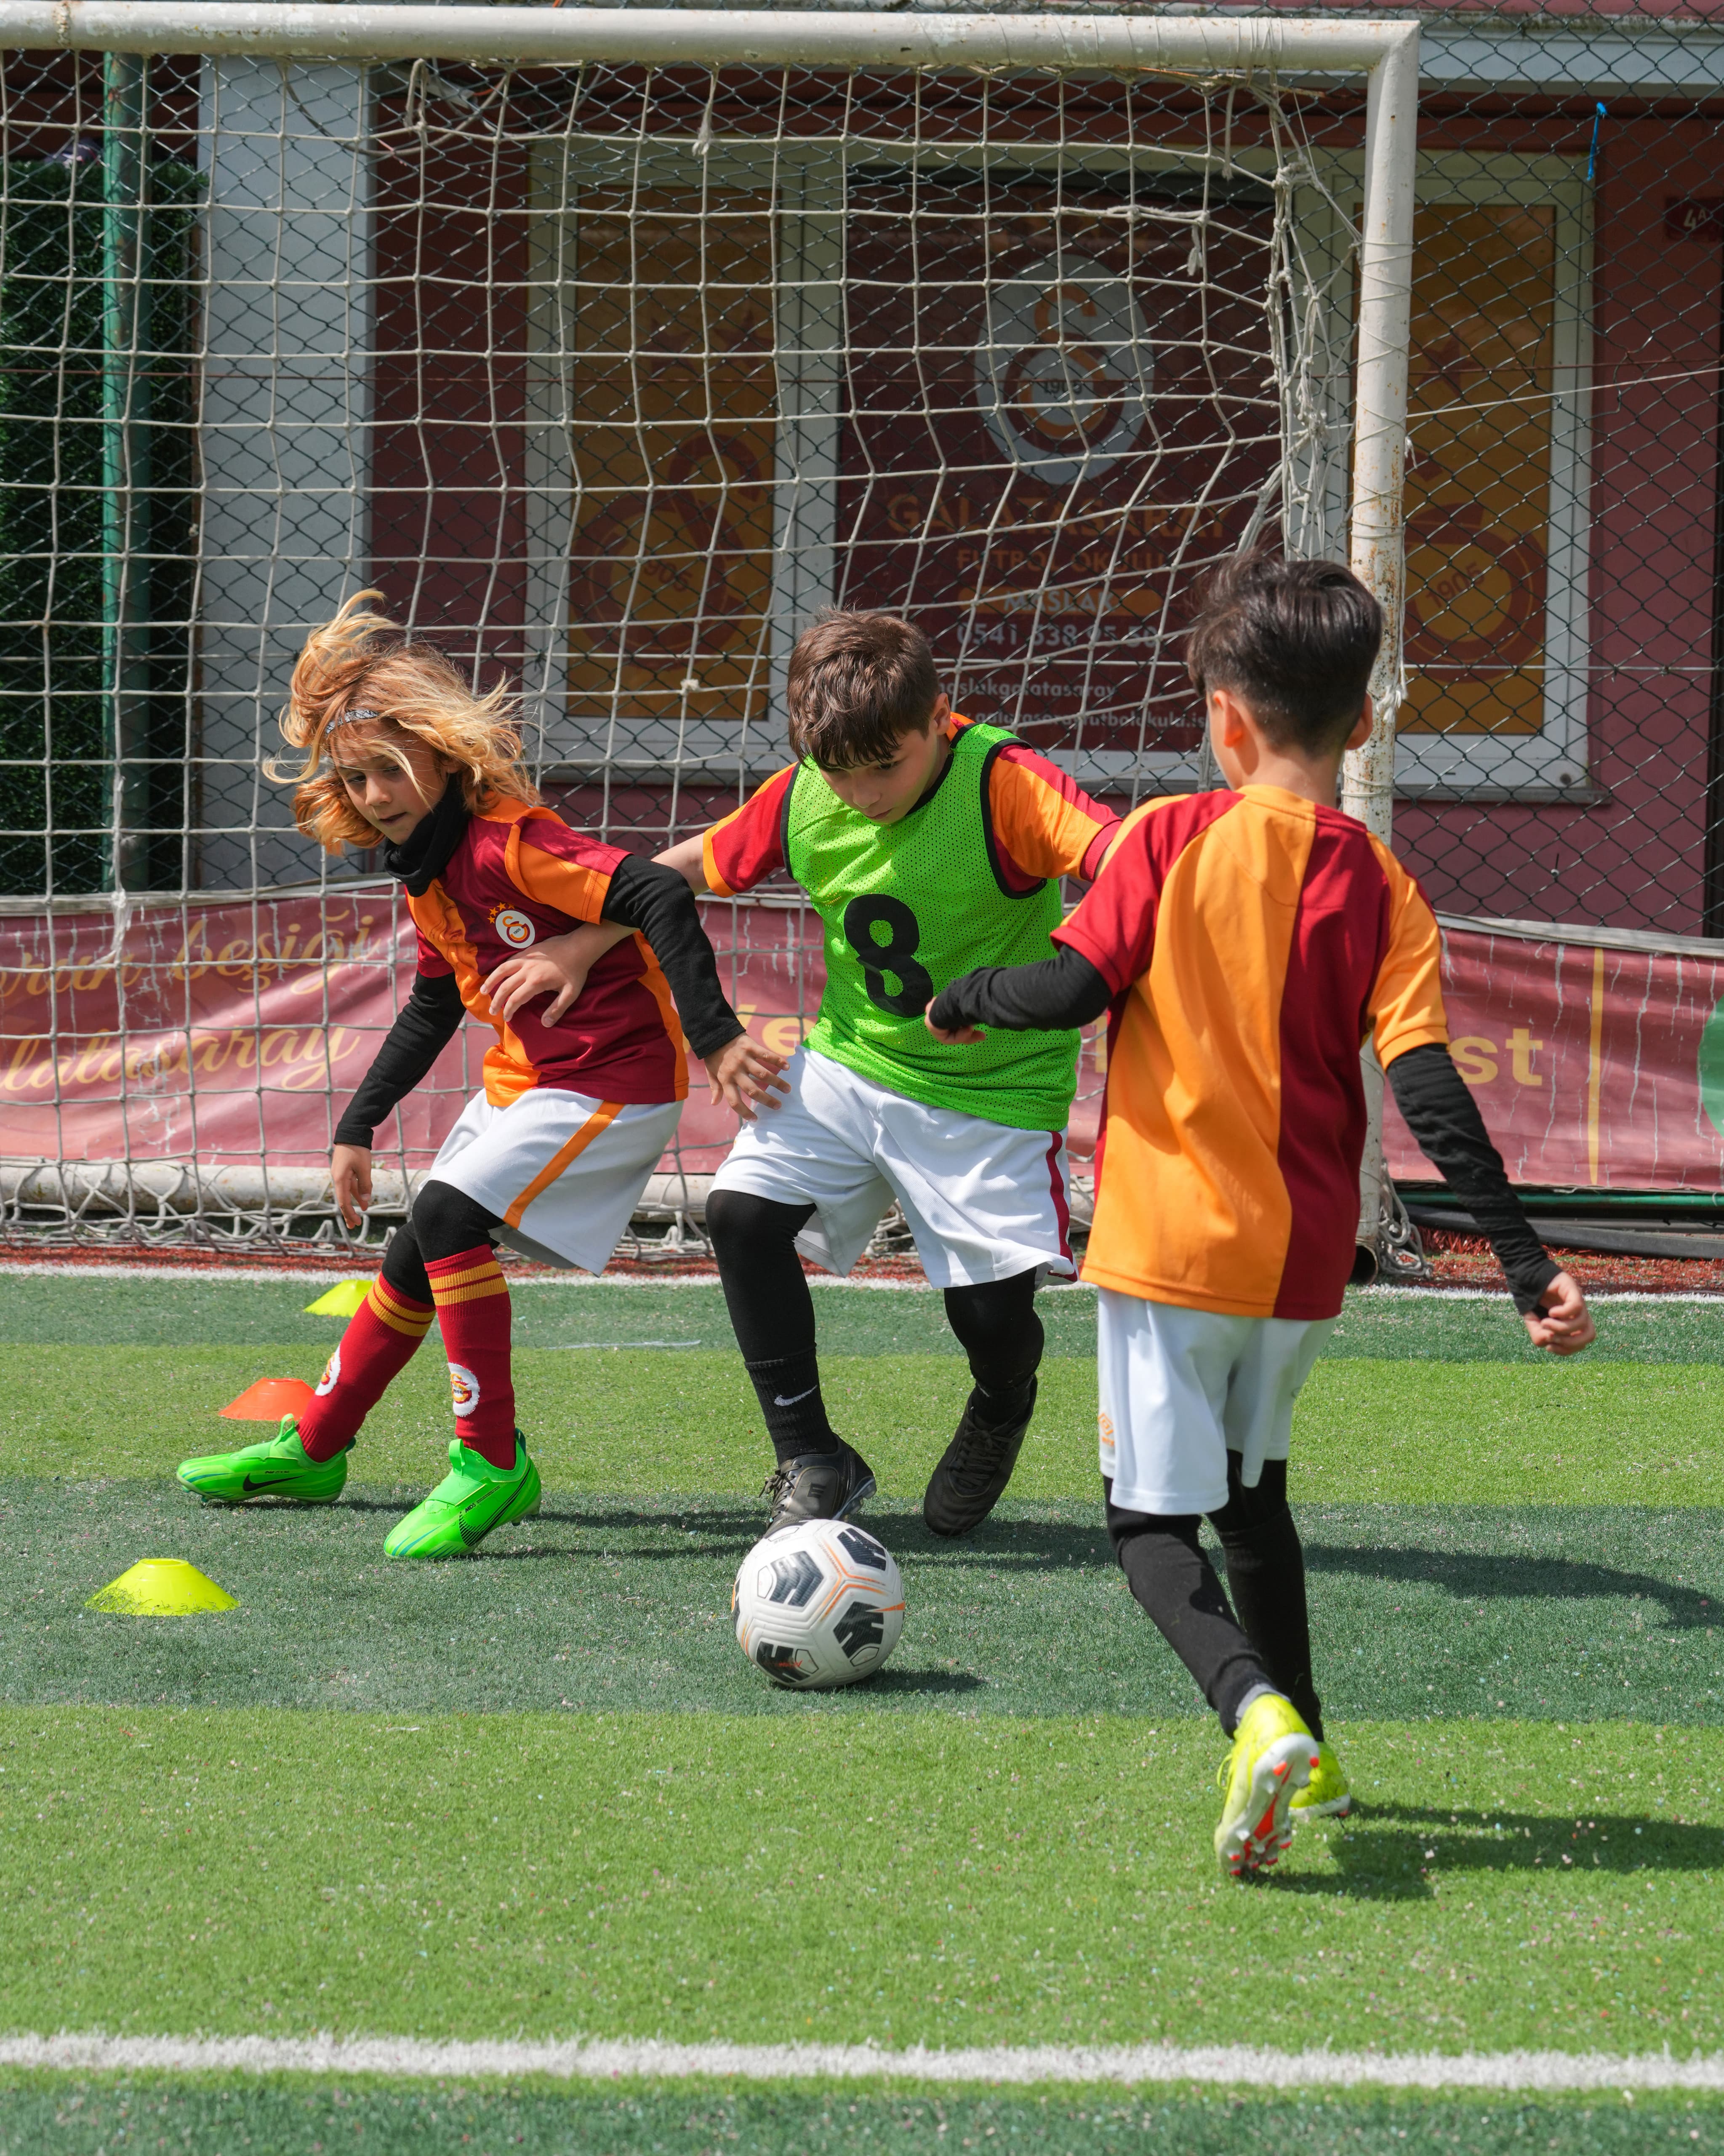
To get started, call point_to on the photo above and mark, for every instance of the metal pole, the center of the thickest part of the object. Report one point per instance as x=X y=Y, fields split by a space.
x=706 y=36
x=1378 y=553
x=125 y=456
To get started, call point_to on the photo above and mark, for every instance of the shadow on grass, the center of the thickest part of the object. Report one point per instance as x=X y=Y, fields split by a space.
x=1003 y=1544
x=1395 y=1852
x=1470 y=1576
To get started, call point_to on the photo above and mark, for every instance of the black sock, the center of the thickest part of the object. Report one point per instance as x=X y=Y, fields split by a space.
x=1265 y=1571
x=788 y=1389
x=1001 y=1334
x=1004 y=1408
x=772 y=1315
x=1174 y=1582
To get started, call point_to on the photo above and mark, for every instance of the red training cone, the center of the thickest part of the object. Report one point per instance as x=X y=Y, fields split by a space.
x=269 y=1399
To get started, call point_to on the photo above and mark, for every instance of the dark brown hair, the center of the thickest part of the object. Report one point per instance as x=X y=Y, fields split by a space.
x=1295 y=641
x=857 y=683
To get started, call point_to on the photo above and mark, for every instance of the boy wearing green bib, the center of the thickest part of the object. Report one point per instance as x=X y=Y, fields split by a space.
x=929 y=846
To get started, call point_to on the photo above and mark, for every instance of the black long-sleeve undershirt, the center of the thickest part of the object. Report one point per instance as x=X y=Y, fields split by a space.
x=1445 y=1118
x=643 y=895
x=1051 y=996
x=1066 y=990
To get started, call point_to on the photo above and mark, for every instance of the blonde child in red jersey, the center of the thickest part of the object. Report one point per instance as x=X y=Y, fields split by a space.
x=1245 y=943
x=580 y=1097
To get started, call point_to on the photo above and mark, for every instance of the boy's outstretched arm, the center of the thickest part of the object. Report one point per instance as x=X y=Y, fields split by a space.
x=558 y=967
x=1445 y=1118
x=656 y=900
x=1051 y=996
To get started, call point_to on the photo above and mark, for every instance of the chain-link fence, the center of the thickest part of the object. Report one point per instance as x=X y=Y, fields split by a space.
x=609 y=376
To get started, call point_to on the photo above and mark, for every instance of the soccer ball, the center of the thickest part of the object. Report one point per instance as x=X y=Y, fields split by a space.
x=817 y=1604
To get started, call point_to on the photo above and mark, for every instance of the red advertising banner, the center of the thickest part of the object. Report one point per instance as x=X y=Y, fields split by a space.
x=228 y=1035
x=1596 y=1065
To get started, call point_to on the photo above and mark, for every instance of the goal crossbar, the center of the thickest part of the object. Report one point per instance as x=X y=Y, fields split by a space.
x=1385 y=53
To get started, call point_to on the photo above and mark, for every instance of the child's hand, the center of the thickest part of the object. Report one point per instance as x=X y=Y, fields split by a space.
x=1562 y=1324
x=967 y=1036
x=557 y=968
x=744 y=1077
x=350 y=1178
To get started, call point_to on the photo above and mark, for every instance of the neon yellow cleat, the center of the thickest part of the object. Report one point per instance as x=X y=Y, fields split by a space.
x=1273 y=1754
x=1327 y=1794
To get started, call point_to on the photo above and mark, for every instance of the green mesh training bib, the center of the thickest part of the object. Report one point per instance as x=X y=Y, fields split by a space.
x=909 y=907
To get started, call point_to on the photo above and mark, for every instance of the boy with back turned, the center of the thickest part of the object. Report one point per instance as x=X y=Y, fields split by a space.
x=1245 y=943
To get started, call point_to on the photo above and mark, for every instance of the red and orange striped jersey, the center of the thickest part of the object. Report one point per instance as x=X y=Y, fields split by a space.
x=1253 y=942
x=1042 y=825
x=520 y=876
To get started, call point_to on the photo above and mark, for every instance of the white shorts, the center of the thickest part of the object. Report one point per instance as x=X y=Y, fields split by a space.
x=1182 y=1388
x=984 y=1202
x=563 y=1171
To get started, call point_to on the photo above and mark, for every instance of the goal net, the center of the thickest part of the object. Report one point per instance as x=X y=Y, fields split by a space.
x=609 y=372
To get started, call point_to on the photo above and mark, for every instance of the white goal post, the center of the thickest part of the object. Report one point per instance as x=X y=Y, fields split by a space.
x=291 y=143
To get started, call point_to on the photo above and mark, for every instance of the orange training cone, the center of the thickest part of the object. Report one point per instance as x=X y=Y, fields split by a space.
x=269 y=1399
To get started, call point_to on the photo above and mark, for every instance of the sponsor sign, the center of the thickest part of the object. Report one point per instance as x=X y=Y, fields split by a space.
x=231 y=1035
x=1594 y=1067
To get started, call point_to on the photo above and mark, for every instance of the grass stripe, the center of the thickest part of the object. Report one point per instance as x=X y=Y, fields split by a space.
x=150 y=1309
x=1535 y=1612
x=623 y=1423
x=294 y=2116
x=1232 y=2066
x=698 y=1879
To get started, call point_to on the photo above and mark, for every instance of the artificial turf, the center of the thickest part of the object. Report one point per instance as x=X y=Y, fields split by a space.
x=946 y=1880
x=641 y=1424
x=44 y=2115
x=1383 y=1324
x=558 y=1802
x=603 y=1603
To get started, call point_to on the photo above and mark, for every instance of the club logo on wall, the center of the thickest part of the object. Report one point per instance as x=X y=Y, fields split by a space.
x=1103 y=432
x=1064 y=370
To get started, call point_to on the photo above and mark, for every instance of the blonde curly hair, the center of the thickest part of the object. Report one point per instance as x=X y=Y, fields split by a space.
x=362 y=662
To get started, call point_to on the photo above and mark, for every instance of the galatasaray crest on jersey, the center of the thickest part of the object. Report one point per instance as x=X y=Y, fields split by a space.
x=514 y=928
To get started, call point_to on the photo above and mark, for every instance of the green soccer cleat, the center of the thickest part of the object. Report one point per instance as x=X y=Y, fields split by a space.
x=1273 y=1754
x=277 y=1468
x=472 y=1498
x=1327 y=1794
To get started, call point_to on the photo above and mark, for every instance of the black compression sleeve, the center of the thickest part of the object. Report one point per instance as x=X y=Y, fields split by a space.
x=656 y=900
x=429 y=1019
x=1049 y=996
x=1445 y=1118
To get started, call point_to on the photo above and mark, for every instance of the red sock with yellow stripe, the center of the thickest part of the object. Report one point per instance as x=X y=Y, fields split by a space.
x=472 y=1299
x=376 y=1346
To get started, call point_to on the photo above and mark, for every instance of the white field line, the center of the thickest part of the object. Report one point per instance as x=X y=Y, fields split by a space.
x=1239 y=2066
x=312 y=1279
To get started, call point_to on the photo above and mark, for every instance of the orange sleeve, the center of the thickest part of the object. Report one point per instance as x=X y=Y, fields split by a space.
x=748 y=844
x=560 y=867
x=1407 y=996
x=1043 y=820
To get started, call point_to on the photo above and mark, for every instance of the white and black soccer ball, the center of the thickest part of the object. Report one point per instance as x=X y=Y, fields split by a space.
x=817 y=1604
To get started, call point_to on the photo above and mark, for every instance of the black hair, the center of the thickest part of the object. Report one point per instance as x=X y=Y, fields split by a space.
x=1295 y=641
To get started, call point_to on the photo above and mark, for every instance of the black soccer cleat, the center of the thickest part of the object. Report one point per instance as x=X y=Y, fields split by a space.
x=974 y=1471
x=817 y=1485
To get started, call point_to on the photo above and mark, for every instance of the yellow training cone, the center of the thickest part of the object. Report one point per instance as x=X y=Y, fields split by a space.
x=161 y=1587
x=341 y=1301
